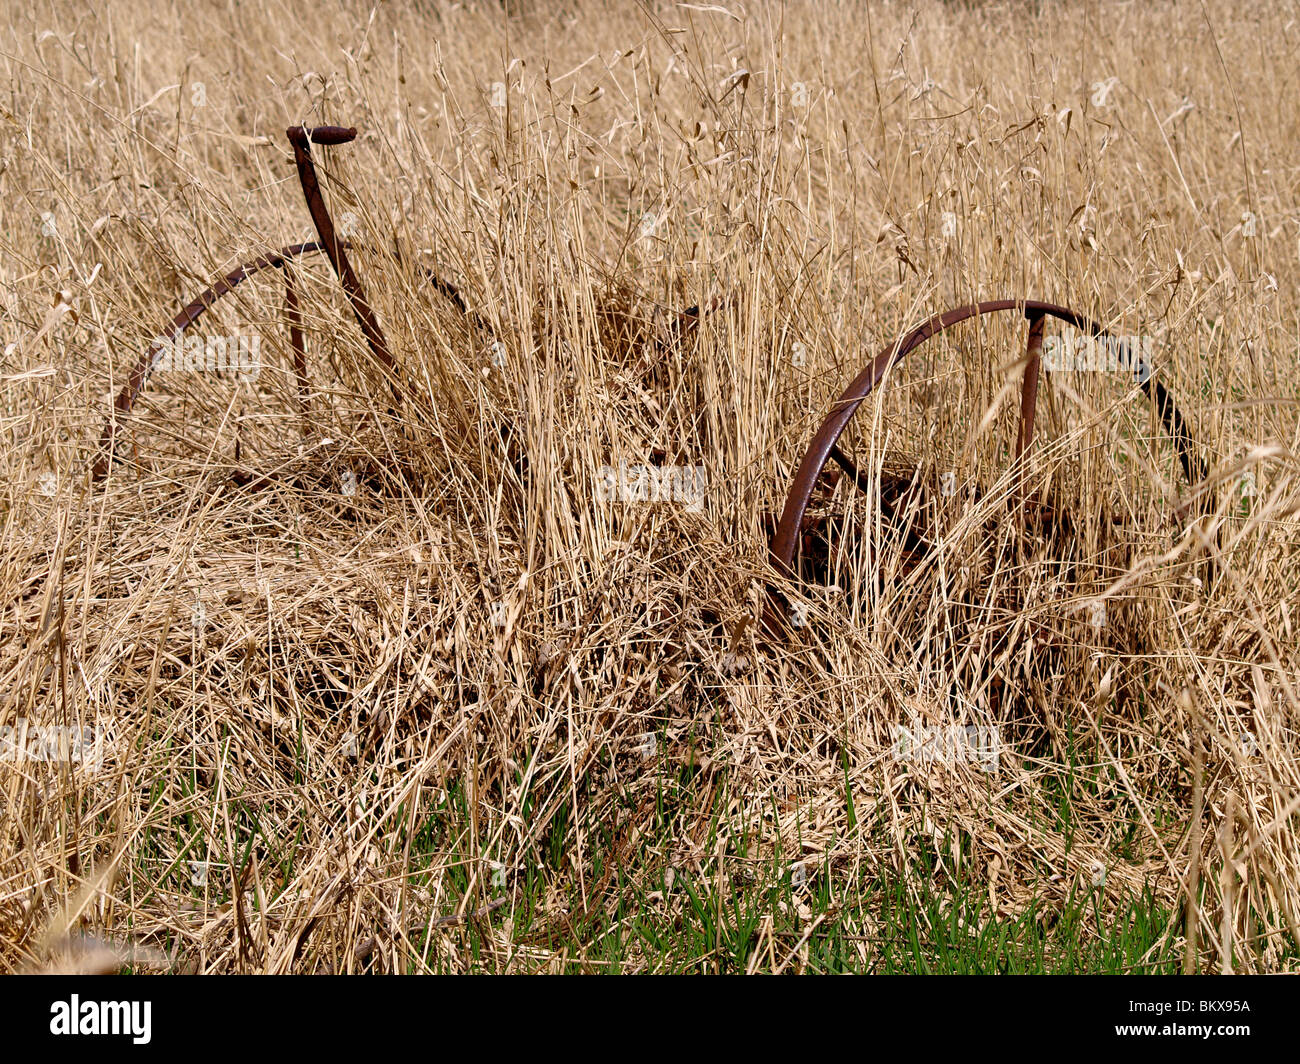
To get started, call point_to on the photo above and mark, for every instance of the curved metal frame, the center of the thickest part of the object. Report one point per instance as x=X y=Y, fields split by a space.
x=824 y=445
x=193 y=311
x=301 y=138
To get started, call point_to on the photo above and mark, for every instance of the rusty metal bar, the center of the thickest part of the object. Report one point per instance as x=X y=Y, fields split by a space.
x=302 y=138
x=1029 y=390
x=1028 y=407
x=293 y=311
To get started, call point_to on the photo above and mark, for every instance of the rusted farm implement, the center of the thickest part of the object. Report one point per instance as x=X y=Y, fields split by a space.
x=334 y=248
x=794 y=523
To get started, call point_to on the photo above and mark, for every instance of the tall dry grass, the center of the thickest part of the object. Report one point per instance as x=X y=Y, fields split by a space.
x=298 y=677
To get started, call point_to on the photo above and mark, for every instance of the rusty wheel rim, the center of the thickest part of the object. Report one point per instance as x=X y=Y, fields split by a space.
x=824 y=446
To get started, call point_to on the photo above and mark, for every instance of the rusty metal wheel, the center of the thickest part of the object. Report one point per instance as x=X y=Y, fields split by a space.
x=824 y=447
x=191 y=313
x=335 y=250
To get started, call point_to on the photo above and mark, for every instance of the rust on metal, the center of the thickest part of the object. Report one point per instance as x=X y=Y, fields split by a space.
x=1029 y=391
x=293 y=312
x=302 y=138
x=305 y=135
x=824 y=446
x=335 y=250
x=192 y=312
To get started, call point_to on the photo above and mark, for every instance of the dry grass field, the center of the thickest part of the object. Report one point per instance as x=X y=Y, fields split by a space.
x=406 y=680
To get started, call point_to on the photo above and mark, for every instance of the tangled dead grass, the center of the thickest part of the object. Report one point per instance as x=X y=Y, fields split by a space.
x=426 y=669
